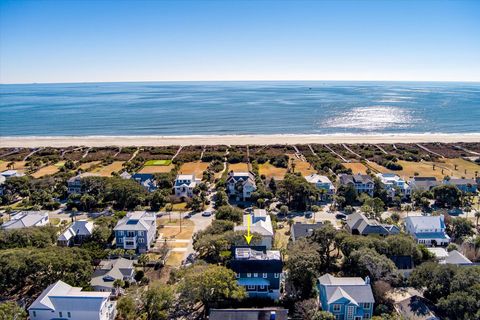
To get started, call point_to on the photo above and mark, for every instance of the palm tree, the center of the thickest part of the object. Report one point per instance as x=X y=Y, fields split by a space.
x=117 y=284
x=477 y=215
x=169 y=208
x=143 y=260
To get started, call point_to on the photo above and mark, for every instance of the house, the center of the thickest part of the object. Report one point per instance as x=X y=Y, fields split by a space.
x=2 y=183
x=110 y=270
x=75 y=184
x=125 y=175
x=453 y=257
x=184 y=185
x=415 y=308
x=147 y=180
x=136 y=231
x=241 y=185
x=357 y=223
x=362 y=183
x=260 y=272
x=423 y=183
x=261 y=223
x=428 y=230
x=394 y=184
x=322 y=183
x=26 y=219
x=249 y=314
x=62 y=301
x=11 y=173
x=76 y=234
x=302 y=230
x=464 y=185
x=404 y=264
x=346 y=298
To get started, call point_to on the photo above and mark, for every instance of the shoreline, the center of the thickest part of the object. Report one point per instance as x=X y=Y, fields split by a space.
x=124 y=141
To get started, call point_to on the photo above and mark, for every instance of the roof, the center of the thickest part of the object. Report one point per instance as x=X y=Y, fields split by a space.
x=358 y=221
x=302 y=230
x=111 y=270
x=316 y=178
x=354 y=289
x=125 y=175
x=426 y=222
x=78 y=228
x=83 y=175
x=241 y=176
x=452 y=257
x=136 y=220
x=415 y=308
x=261 y=223
x=185 y=177
x=461 y=181
x=248 y=314
x=26 y=219
x=357 y=178
x=431 y=235
x=61 y=296
x=249 y=260
x=402 y=262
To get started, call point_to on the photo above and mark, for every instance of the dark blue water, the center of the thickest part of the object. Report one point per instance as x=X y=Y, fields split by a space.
x=196 y=108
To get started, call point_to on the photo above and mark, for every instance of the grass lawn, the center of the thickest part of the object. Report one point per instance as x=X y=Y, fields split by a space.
x=270 y=171
x=182 y=206
x=238 y=167
x=156 y=169
x=281 y=238
x=45 y=171
x=88 y=165
x=158 y=163
x=356 y=167
x=59 y=164
x=18 y=165
x=195 y=168
x=175 y=259
x=165 y=221
x=54 y=221
x=304 y=167
x=107 y=171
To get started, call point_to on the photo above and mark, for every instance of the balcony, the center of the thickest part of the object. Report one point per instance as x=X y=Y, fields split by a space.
x=130 y=243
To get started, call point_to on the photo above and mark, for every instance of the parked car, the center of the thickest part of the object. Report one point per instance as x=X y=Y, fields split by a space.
x=308 y=214
x=206 y=213
x=341 y=216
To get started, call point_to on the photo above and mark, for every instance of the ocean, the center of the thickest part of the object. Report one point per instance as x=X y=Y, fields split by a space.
x=238 y=108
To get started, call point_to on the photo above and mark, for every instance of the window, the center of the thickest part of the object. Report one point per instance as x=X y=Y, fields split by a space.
x=237 y=275
x=34 y=313
x=262 y=287
x=250 y=287
x=366 y=305
x=264 y=275
x=141 y=240
x=367 y=316
x=249 y=275
x=120 y=233
x=60 y=314
x=69 y=314
x=277 y=275
x=255 y=275
x=350 y=311
x=336 y=308
x=120 y=240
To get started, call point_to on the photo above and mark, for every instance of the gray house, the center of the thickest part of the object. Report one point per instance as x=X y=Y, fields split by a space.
x=357 y=223
x=110 y=270
x=249 y=314
x=303 y=230
x=76 y=234
x=136 y=231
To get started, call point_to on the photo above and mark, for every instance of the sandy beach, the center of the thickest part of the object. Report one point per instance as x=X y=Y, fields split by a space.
x=100 y=141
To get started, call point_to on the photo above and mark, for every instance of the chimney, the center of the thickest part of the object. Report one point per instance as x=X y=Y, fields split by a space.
x=367 y=280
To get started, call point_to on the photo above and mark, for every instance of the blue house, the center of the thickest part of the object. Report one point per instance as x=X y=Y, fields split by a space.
x=260 y=272
x=464 y=185
x=136 y=231
x=147 y=180
x=346 y=298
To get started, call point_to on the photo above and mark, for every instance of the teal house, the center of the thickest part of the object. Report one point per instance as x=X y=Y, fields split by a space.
x=346 y=298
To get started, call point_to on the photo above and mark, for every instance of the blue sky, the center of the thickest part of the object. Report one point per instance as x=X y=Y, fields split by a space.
x=77 y=41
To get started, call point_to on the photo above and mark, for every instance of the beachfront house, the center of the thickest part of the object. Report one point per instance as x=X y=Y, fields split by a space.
x=75 y=184
x=394 y=185
x=260 y=223
x=184 y=185
x=358 y=224
x=76 y=234
x=259 y=271
x=362 y=183
x=322 y=183
x=11 y=173
x=241 y=185
x=26 y=219
x=136 y=231
x=423 y=183
x=302 y=230
x=346 y=298
x=146 y=180
x=110 y=270
x=464 y=185
x=62 y=301
x=427 y=230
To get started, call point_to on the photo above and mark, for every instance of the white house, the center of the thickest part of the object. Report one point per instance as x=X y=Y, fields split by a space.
x=427 y=230
x=11 y=173
x=78 y=232
x=241 y=185
x=393 y=183
x=184 y=185
x=260 y=223
x=26 y=219
x=362 y=183
x=62 y=301
x=322 y=183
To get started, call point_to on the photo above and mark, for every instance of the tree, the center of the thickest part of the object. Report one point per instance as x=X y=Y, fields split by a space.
x=221 y=199
x=125 y=194
x=325 y=238
x=477 y=215
x=461 y=227
x=157 y=301
x=348 y=194
x=295 y=191
x=367 y=262
x=126 y=308
x=302 y=264
x=143 y=260
x=118 y=283
x=169 y=209
x=447 y=196
x=12 y=311
x=306 y=309
x=157 y=200
x=229 y=213
x=210 y=285
x=273 y=185
x=323 y=315
x=196 y=204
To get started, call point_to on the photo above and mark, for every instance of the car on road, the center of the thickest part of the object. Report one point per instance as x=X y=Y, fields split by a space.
x=341 y=216
x=206 y=213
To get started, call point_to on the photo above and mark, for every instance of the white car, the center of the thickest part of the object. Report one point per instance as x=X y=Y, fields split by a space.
x=206 y=213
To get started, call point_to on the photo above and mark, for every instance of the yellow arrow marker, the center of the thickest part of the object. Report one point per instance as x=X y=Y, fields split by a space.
x=248 y=237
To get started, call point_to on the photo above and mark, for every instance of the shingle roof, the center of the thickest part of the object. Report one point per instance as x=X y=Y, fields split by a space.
x=301 y=230
x=78 y=228
x=315 y=178
x=138 y=220
x=355 y=289
x=26 y=219
x=427 y=222
x=110 y=270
